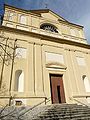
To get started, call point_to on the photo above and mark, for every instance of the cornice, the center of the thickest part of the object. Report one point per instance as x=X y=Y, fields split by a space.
x=22 y=10
x=44 y=37
x=38 y=13
x=69 y=23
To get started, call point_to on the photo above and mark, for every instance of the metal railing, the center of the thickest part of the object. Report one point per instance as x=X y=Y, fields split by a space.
x=23 y=111
x=45 y=101
x=75 y=98
x=26 y=97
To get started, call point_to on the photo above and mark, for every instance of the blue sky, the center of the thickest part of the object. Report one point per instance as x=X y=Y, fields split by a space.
x=76 y=11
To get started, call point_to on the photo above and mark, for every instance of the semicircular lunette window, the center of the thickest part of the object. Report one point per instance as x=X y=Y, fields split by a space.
x=49 y=27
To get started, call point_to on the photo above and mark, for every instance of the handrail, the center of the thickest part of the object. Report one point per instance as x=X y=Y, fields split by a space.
x=26 y=111
x=71 y=98
x=48 y=99
x=25 y=97
x=81 y=96
x=34 y=107
x=20 y=97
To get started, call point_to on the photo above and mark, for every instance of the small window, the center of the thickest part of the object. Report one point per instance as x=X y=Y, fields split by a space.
x=19 y=102
x=22 y=19
x=49 y=27
x=19 y=81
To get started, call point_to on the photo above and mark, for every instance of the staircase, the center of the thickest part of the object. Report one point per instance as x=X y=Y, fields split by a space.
x=47 y=112
x=63 y=112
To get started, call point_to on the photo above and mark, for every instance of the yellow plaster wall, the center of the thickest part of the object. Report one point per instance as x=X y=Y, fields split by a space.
x=36 y=80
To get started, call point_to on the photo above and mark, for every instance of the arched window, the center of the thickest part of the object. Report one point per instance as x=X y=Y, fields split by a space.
x=23 y=19
x=19 y=81
x=86 y=83
x=49 y=27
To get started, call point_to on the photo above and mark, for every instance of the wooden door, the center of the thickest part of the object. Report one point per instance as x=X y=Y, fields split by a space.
x=57 y=89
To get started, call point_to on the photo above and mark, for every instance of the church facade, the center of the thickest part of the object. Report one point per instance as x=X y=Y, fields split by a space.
x=51 y=62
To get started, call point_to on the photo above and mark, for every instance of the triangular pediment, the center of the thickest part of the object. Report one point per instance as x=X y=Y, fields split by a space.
x=52 y=15
x=49 y=14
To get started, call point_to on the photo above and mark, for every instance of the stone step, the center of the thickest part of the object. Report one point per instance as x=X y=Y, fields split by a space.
x=57 y=112
x=67 y=112
x=64 y=112
x=64 y=115
x=64 y=118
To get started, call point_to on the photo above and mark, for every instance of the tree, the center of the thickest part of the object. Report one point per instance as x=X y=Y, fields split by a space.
x=7 y=56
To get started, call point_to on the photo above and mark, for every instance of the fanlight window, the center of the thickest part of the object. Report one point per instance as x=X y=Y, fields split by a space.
x=49 y=27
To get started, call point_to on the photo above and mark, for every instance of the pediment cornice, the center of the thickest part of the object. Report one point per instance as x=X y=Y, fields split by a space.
x=56 y=65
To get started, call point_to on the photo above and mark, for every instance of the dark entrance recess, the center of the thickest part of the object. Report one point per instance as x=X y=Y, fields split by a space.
x=57 y=89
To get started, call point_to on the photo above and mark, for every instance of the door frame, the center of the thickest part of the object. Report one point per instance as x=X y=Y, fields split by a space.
x=51 y=89
x=57 y=71
x=53 y=68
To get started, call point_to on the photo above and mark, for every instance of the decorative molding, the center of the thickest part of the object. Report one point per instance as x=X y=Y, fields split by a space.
x=55 y=65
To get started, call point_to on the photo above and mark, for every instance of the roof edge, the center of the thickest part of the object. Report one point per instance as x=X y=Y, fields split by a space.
x=39 y=11
x=49 y=10
x=24 y=10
